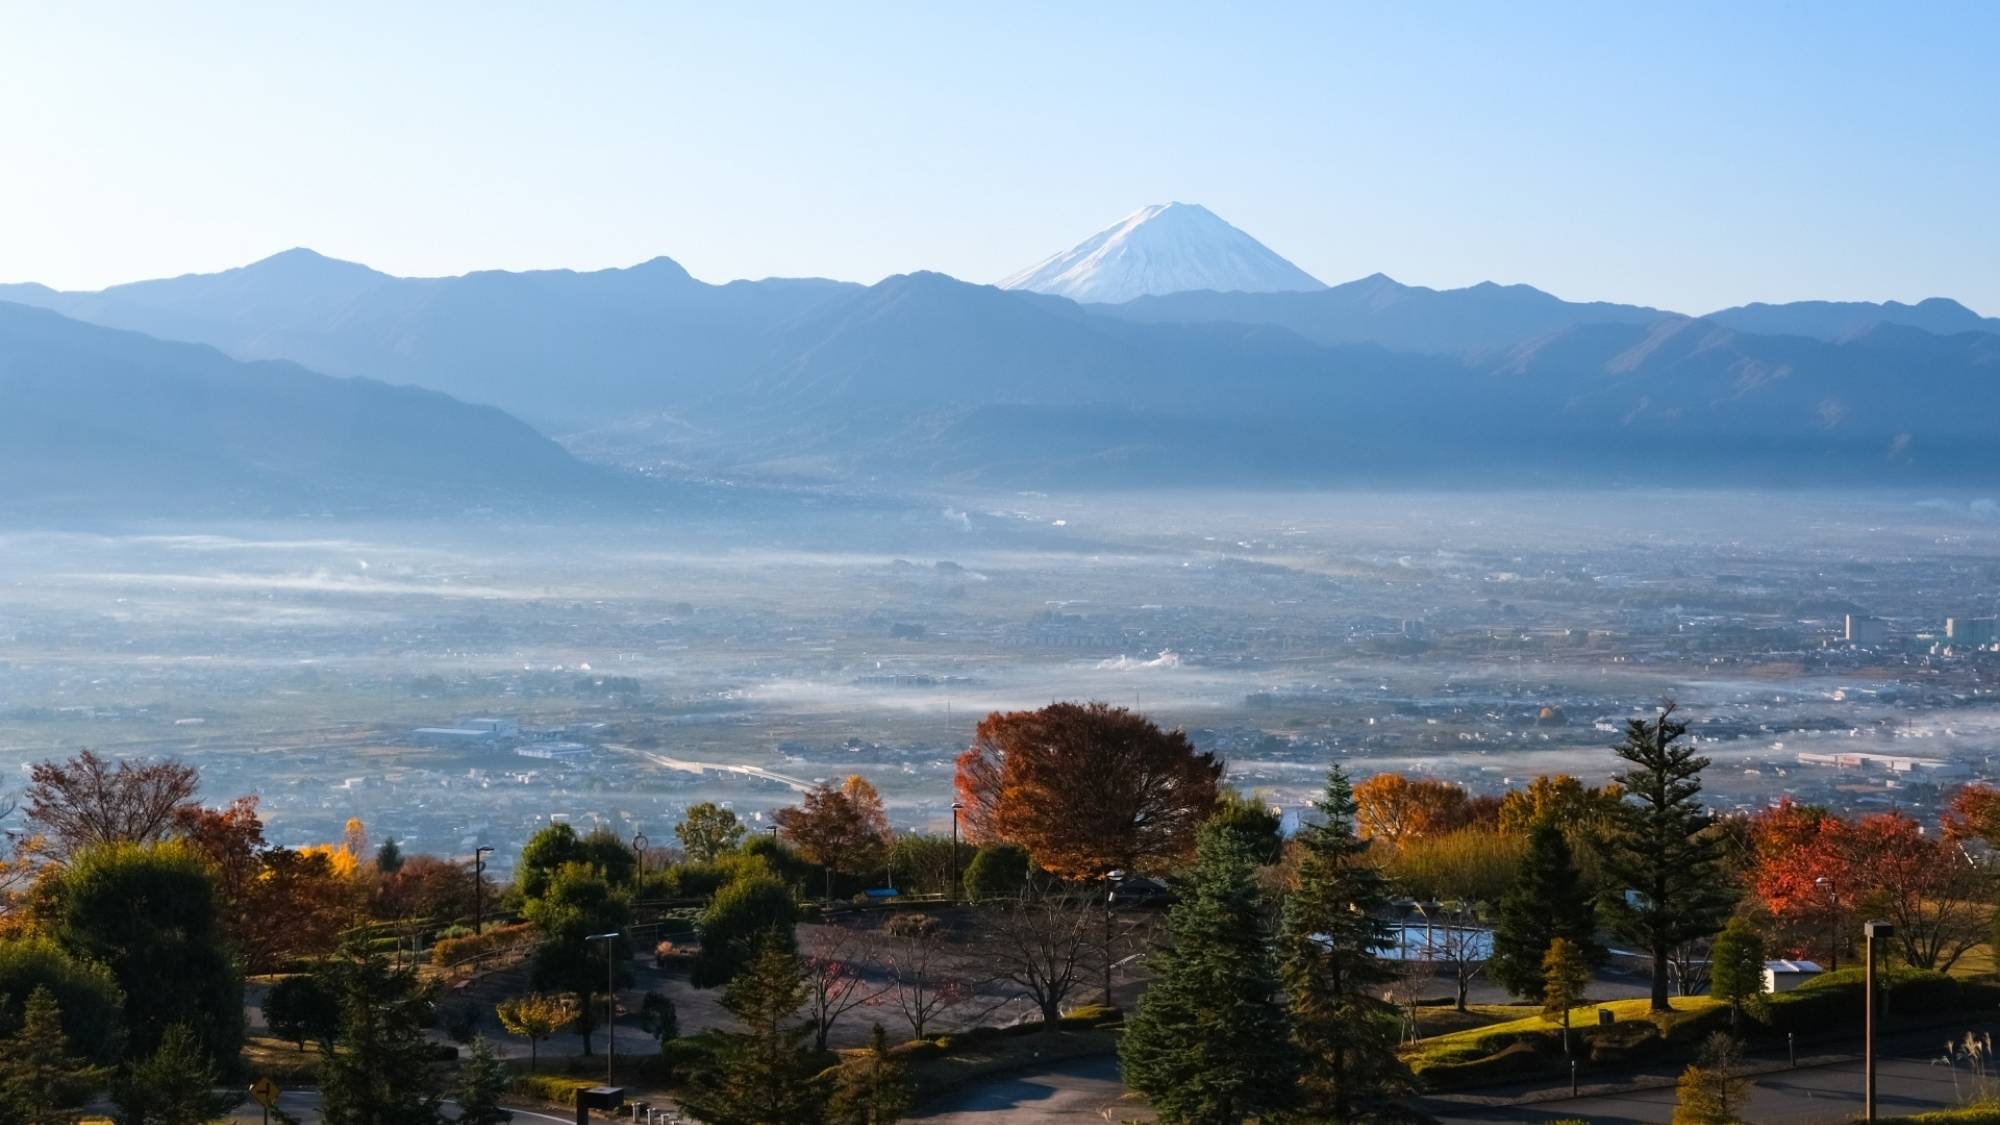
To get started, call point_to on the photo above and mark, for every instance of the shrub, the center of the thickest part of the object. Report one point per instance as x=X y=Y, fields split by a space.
x=554 y=1089
x=91 y=1002
x=460 y=1020
x=997 y=871
x=302 y=1007
x=741 y=913
x=451 y=951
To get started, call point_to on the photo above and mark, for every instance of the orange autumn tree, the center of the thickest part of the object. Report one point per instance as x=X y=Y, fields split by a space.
x=842 y=829
x=1818 y=875
x=276 y=903
x=1087 y=788
x=1395 y=808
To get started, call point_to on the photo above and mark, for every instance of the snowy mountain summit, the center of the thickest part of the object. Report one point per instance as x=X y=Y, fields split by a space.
x=1165 y=248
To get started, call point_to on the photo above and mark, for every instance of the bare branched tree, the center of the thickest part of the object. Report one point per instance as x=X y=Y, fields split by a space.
x=836 y=961
x=1457 y=944
x=927 y=980
x=1047 y=945
x=90 y=800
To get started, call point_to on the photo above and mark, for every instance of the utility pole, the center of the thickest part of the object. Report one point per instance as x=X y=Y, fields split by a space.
x=1873 y=930
x=479 y=889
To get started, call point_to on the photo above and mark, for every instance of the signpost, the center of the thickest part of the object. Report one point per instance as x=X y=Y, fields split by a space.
x=265 y=1093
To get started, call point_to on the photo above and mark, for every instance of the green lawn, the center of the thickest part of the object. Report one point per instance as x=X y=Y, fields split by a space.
x=1475 y=1042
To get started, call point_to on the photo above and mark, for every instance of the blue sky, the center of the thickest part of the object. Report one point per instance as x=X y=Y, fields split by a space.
x=1687 y=155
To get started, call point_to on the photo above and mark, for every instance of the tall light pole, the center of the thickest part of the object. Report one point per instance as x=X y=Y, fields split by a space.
x=1873 y=930
x=1108 y=892
x=1833 y=932
x=610 y=941
x=955 y=807
x=479 y=889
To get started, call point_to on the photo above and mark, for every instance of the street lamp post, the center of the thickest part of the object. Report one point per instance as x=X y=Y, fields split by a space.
x=955 y=807
x=1833 y=932
x=1873 y=930
x=479 y=889
x=610 y=941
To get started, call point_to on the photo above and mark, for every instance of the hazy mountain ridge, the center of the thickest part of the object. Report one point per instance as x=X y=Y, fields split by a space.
x=556 y=346
x=922 y=376
x=101 y=420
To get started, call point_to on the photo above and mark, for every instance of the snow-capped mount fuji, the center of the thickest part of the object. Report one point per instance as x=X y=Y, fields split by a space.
x=1164 y=248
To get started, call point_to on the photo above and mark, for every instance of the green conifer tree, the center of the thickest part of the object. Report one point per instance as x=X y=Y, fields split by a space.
x=1659 y=848
x=762 y=1076
x=175 y=1086
x=872 y=1090
x=1331 y=944
x=481 y=1083
x=381 y=1073
x=1548 y=900
x=1736 y=967
x=39 y=1077
x=1208 y=1044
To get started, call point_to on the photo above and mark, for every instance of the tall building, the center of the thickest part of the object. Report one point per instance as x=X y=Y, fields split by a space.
x=1973 y=631
x=1866 y=632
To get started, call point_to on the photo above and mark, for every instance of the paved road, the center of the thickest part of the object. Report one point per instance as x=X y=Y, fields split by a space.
x=304 y=1105
x=1085 y=1089
x=1788 y=1097
x=1078 y=1090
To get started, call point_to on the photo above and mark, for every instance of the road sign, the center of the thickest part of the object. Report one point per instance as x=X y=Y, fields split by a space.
x=265 y=1092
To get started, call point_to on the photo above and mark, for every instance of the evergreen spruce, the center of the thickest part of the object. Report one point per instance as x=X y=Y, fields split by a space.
x=1331 y=942
x=1207 y=1045
x=480 y=1085
x=39 y=1078
x=762 y=1076
x=176 y=1086
x=873 y=1090
x=381 y=1075
x=1659 y=848
x=1736 y=967
x=1548 y=900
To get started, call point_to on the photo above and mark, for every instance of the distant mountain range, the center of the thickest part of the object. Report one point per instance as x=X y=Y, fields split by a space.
x=559 y=347
x=922 y=378
x=103 y=422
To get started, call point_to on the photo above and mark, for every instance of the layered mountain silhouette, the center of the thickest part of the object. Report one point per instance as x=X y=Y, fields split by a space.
x=558 y=347
x=922 y=377
x=99 y=421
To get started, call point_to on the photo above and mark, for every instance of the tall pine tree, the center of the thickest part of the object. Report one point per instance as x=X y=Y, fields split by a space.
x=1332 y=940
x=380 y=1074
x=1660 y=850
x=1548 y=900
x=763 y=1076
x=39 y=1078
x=1208 y=1042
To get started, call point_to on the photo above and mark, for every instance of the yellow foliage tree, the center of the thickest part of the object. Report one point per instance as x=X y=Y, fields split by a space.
x=535 y=1017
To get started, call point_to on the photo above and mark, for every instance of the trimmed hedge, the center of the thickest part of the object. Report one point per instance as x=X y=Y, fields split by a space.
x=553 y=1089
x=451 y=951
